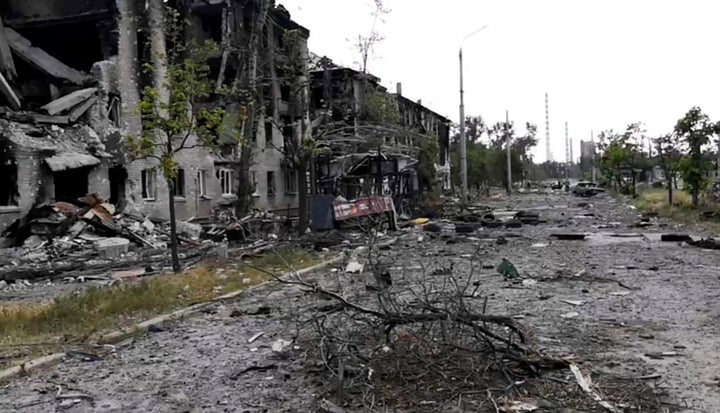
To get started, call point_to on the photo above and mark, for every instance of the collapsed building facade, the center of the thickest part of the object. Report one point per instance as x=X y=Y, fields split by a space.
x=71 y=84
x=71 y=80
x=374 y=140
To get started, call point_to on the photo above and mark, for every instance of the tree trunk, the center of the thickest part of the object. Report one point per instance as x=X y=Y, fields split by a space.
x=158 y=52
x=302 y=197
x=248 y=78
x=695 y=195
x=173 y=227
x=670 y=191
x=245 y=187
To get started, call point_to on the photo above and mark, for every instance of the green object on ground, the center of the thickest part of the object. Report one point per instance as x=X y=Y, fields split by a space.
x=507 y=269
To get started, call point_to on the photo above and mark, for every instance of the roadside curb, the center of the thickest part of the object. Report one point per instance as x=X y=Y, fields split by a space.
x=120 y=335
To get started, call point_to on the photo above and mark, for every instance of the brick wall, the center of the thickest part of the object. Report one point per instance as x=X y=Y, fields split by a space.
x=28 y=168
x=192 y=204
x=36 y=184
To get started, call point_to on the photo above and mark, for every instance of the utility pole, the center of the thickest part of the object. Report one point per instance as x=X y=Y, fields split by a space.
x=508 y=142
x=463 y=139
x=594 y=171
x=548 y=154
x=567 y=153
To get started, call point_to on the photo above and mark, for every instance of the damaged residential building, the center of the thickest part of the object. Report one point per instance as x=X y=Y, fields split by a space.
x=375 y=140
x=70 y=83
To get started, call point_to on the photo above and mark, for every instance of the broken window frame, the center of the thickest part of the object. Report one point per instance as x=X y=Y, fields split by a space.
x=226 y=182
x=254 y=183
x=202 y=183
x=148 y=178
x=114 y=110
x=179 y=184
x=269 y=127
x=10 y=174
x=271 y=189
x=290 y=181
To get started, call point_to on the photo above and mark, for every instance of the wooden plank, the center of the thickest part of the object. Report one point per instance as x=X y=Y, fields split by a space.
x=60 y=120
x=68 y=101
x=7 y=64
x=81 y=108
x=41 y=60
x=9 y=93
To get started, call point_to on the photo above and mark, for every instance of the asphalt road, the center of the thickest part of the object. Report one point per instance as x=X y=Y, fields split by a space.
x=622 y=302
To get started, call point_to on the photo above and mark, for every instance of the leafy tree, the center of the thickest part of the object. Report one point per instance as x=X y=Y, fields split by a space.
x=617 y=157
x=696 y=130
x=177 y=117
x=478 y=176
x=379 y=107
x=487 y=162
x=427 y=159
x=521 y=149
x=670 y=155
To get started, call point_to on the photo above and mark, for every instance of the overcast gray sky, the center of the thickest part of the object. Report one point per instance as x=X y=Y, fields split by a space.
x=604 y=63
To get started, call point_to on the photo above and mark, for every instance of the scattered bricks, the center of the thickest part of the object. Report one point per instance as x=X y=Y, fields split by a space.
x=189 y=229
x=112 y=247
x=148 y=225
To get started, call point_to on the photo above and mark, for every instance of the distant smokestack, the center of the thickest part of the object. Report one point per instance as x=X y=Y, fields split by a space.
x=398 y=88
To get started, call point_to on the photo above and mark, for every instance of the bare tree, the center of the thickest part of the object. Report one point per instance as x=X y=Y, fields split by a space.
x=366 y=43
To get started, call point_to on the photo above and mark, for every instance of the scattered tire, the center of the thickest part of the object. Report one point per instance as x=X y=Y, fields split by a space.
x=513 y=224
x=569 y=237
x=675 y=238
x=432 y=227
x=492 y=224
x=464 y=229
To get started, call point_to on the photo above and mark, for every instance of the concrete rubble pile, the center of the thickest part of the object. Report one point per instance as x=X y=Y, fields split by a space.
x=63 y=238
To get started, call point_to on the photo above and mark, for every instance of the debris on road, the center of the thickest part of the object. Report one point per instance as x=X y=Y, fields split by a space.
x=585 y=384
x=255 y=337
x=518 y=407
x=507 y=269
x=354 y=267
x=280 y=346
x=568 y=236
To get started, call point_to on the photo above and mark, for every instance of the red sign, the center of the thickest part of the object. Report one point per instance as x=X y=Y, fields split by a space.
x=363 y=207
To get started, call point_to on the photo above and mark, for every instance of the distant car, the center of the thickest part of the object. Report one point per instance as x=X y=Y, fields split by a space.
x=557 y=185
x=587 y=189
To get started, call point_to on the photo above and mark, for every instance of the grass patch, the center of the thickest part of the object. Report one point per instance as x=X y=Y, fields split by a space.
x=30 y=330
x=656 y=200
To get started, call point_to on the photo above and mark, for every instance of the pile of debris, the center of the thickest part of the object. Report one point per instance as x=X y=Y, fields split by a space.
x=62 y=237
x=256 y=226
